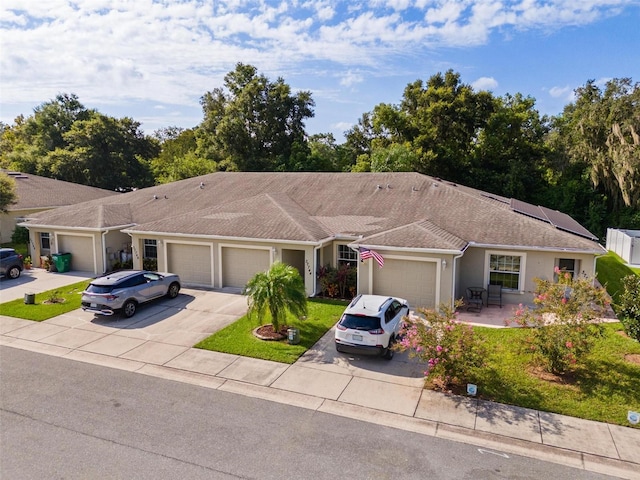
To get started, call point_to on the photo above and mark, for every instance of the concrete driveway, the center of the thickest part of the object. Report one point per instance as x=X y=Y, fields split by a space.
x=37 y=280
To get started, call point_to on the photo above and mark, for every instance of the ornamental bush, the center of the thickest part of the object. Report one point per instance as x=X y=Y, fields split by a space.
x=564 y=322
x=451 y=350
x=628 y=307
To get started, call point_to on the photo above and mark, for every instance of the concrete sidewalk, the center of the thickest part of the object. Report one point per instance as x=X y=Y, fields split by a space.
x=158 y=341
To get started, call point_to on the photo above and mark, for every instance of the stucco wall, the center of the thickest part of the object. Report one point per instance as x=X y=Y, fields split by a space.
x=474 y=270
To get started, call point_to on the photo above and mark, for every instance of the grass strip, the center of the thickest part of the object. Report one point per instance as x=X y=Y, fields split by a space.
x=44 y=308
x=604 y=388
x=238 y=338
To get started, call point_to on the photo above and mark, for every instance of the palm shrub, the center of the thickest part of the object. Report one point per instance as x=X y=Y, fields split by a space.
x=277 y=291
x=564 y=324
x=628 y=306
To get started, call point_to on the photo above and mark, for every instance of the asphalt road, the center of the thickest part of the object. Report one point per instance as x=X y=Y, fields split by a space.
x=62 y=419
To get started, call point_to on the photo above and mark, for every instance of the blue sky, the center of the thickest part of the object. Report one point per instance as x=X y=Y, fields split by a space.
x=153 y=60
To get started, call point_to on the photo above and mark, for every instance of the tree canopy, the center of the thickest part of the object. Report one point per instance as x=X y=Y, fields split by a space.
x=253 y=123
x=7 y=192
x=584 y=161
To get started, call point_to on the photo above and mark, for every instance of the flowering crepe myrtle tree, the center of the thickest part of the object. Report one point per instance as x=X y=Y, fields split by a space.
x=451 y=349
x=564 y=322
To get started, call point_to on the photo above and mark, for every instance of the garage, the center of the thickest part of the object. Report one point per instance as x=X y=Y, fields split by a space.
x=192 y=262
x=412 y=280
x=81 y=250
x=239 y=265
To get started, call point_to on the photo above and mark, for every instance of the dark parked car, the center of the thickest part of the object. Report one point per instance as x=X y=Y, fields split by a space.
x=125 y=290
x=11 y=263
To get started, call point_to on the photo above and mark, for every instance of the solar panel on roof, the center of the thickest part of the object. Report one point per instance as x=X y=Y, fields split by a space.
x=559 y=220
x=528 y=209
x=565 y=222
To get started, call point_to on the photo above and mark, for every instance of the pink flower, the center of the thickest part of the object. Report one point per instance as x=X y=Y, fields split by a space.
x=439 y=348
x=569 y=345
x=564 y=300
x=556 y=269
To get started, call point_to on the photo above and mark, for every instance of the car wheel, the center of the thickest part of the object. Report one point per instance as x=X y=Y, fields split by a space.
x=14 y=272
x=389 y=351
x=174 y=288
x=338 y=348
x=129 y=308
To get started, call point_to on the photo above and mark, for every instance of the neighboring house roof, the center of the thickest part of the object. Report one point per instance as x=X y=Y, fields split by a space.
x=405 y=210
x=35 y=192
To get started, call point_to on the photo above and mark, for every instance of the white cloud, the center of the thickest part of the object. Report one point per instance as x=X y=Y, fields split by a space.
x=351 y=78
x=173 y=51
x=485 y=83
x=560 y=92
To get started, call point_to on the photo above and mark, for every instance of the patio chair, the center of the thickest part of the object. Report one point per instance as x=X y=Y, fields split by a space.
x=494 y=295
x=474 y=299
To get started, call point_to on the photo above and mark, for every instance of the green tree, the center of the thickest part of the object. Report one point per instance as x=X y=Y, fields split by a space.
x=628 y=306
x=252 y=124
x=178 y=159
x=277 y=291
x=509 y=153
x=394 y=158
x=8 y=195
x=601 y=129
x=104 y=152
x=440 y=120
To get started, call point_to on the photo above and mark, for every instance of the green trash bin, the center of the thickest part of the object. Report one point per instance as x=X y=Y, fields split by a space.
x=62 y=261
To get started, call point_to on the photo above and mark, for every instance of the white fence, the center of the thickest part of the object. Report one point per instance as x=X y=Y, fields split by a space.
x=626 y=243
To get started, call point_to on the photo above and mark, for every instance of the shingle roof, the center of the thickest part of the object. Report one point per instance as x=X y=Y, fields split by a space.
x=393 y=209
x=36 y=192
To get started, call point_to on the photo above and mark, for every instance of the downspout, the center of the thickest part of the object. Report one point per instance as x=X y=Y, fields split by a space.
x=315 y=269
x=453 y=273
x=104 y=252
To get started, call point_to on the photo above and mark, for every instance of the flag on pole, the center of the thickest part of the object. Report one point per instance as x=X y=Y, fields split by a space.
x=365 y=254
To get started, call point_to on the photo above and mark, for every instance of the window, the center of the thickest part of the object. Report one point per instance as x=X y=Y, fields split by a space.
x=150 y=248
x=505 y=270
x=45 y=241
x=347 y=255
x=568 y=265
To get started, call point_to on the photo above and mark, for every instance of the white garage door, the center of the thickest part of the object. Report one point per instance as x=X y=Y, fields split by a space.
x=191 y=262
x=240 y=264
x=411 y=280
x=81 y=250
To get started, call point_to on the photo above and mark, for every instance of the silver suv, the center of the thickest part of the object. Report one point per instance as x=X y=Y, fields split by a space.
x=11 y=263
x=370 y=325
x=125 y=290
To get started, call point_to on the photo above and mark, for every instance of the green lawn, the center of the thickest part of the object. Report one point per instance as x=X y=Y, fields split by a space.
x=610 y=270
x=602 y=389
x=238 y=338
x=43 y=311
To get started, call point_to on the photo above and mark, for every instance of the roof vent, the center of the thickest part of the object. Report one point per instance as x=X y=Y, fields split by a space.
x=378 y=187
x=201 y=184
x=166 y=196
x=389 y=186
x=155 y=197
x=415 y=189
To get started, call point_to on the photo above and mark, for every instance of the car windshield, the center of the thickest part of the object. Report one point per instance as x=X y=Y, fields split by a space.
x=99 y=288
x=360 y=322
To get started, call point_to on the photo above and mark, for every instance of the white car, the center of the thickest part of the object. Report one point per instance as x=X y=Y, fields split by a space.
x=370 y=325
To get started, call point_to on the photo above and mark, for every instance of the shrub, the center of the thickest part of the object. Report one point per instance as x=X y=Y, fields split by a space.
x=150 y=264
x=452 y=350
x=337 y=282
x=20 y=236
x=628 y=306
x=564 y=324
